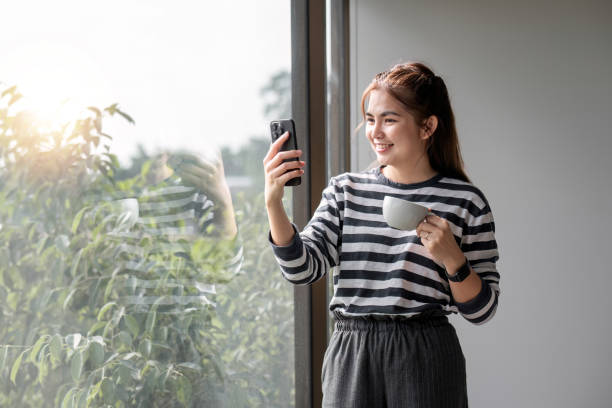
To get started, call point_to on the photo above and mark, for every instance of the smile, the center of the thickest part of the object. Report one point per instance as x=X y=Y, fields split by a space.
x=380 y=147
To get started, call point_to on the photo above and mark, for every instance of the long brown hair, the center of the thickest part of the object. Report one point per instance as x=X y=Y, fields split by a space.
x=424 y=94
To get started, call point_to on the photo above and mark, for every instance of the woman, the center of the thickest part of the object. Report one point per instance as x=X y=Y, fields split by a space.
x=393 y=345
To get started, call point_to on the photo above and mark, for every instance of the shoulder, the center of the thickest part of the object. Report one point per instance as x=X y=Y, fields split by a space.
x=464 y=190
x=355 y=179
x=364 y=183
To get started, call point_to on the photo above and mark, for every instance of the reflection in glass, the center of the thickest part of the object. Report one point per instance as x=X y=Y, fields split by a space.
x=143 y=280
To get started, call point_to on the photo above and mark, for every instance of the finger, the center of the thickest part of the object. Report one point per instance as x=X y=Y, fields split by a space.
x=276 y=173
x=270 y=154
x=279 y=142
x=288 y=176
x=209 y=164
x=192 y=181
x=424 y=227
x=193 y=170
x=198 y=181
x=287 y=154
x=179 y=159
x=426 y=233
x=426 y=237
x=192 y=176
x=275 y=146
x=280 y=170
x=435 y=220
x=278 y=159
x=199 y=171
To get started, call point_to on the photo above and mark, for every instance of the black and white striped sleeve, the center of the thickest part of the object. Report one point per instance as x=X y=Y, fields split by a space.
x=311 y=253
x=480 y=248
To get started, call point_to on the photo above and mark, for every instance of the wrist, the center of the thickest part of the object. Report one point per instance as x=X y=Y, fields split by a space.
x=453 y=264
x=459 y=274
x=225 y=205
x=274 y=204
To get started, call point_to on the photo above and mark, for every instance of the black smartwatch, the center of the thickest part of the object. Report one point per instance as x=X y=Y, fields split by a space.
x=462 y=273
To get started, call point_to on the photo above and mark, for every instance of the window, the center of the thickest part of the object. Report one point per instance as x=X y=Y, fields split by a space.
x=134 y=269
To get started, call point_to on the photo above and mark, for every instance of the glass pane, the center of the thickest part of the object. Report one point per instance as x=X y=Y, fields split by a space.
x=134 y=264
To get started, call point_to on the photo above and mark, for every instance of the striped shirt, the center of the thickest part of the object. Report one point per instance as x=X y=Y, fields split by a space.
x=164 y=256
x=380 y=270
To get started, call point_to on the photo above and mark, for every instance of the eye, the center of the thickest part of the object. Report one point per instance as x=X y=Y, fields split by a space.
x=389 y=120
x=370 y=120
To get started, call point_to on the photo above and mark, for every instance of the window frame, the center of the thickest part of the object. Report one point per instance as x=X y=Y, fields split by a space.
x=308 y=111
x=325 y=155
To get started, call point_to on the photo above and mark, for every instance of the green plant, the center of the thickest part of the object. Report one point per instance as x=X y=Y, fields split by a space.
x=255 y=315
x=68 y=338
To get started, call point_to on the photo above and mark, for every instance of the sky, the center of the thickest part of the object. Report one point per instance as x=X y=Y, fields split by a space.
x=189 y=73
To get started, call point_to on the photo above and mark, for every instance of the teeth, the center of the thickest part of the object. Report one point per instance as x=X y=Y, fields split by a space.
x=380 y=146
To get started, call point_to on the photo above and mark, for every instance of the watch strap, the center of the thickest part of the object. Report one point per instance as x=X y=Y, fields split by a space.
x=462 y=273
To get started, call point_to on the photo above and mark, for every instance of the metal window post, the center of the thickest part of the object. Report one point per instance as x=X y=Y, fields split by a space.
x=320 y=101
x=308 y=110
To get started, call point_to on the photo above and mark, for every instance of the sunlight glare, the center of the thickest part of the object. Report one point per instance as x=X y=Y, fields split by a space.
x=58 y=83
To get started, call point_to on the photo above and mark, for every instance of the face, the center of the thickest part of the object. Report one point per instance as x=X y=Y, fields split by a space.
x=393 y=132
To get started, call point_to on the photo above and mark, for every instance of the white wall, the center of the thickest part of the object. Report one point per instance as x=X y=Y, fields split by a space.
x=530 y=83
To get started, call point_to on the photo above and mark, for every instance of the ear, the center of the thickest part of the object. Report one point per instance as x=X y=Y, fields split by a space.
x=429 y=127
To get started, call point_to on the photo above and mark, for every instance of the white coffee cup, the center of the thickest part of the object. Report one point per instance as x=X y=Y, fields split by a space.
x=402 y=214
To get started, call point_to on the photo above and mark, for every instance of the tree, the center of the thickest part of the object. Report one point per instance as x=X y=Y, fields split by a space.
x=70 y=340
x=276 y=94
x=66 y=338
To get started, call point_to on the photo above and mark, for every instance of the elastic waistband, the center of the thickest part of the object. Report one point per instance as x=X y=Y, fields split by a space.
x=382 y=323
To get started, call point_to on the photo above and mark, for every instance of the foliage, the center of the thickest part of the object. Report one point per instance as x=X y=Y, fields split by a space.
x=256 y=308
x=256 y=316
x=69 y=338
x=241 y=162
x=277 y=92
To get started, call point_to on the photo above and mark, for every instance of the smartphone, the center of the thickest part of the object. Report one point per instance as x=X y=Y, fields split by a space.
x=277 y=128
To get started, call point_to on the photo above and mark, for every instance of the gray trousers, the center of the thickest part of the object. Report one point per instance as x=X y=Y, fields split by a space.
x=394 y=363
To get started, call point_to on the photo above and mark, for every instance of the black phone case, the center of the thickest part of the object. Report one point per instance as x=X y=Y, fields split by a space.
x=277 y=128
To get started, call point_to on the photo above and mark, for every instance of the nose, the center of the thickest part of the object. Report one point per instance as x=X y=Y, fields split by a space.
x=376 y=131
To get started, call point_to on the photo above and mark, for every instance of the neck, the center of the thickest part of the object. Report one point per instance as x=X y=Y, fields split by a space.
x=409 y=174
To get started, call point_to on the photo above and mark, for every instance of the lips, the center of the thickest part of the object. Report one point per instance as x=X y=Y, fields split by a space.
x=382 y=147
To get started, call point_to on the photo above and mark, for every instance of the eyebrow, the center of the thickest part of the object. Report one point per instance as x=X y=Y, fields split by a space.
x=385 y=113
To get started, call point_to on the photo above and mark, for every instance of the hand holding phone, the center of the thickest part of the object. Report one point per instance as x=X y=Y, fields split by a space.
x=277 y=129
